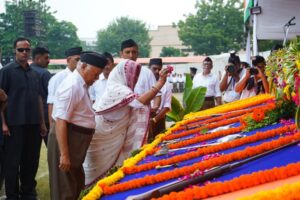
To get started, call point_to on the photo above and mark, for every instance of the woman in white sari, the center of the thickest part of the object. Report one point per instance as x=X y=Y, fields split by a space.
x=121 y=121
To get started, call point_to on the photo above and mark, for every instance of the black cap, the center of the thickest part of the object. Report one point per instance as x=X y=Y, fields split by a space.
x=207 y=59
x=73 y=51
x=257 y=59
x=94 y=59
x=128 y=43
x=155 y=61
x=193 y=69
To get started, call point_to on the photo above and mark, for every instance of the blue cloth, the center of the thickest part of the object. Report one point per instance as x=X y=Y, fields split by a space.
x=277 y=159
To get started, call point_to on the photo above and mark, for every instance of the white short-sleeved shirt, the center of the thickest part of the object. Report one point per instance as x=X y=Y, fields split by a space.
x=209 y=81
x=54 y=82
x=230 y=94
x=72 y=102
x=166 y=96
x=97 y=89
x=145 y=81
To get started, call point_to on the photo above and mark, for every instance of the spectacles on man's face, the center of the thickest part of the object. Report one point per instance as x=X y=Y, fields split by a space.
x=23 y=50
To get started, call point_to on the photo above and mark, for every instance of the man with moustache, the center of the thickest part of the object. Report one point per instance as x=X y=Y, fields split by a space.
x=40 y=58
x=211 y=82
x=22 y=122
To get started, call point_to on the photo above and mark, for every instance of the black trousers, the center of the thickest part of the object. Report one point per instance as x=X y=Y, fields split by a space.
x=22 y=152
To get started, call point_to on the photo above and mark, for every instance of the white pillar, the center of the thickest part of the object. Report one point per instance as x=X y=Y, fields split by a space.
x=255 y=46
x=248 y=47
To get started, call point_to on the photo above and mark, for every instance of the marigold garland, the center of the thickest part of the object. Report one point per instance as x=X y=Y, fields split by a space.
x=241 y=182
x=224 y=121
x=96 y=192
x=287 y=191
x=164 y=176
x=209 y=150
x=236 y=105
x=200 y=121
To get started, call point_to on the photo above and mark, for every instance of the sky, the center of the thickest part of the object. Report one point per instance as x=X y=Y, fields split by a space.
x=89 y=16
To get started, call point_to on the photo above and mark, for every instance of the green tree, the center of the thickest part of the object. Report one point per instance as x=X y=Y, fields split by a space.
x=216 y=27
x=171 y=51
x=121 y=29
x=57 y=36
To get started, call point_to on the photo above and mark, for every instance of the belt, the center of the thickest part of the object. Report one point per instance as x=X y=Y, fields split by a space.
x=82 y=130
x=209 y=98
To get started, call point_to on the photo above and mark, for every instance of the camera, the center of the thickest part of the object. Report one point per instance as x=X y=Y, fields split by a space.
x=253 y=71
x=230 y=68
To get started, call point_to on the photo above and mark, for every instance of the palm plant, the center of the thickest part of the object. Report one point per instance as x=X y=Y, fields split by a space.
x=193 y=99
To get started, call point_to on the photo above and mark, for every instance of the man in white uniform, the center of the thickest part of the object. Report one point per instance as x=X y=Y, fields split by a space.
x=211 y=82
x=97 y=89
x=73 y=129
x=146 y=80
x=158 y=119
x=73 y=56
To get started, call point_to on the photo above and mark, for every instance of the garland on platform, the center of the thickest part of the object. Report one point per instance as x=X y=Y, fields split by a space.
x=287 y=191
x=97 y=191
x=242 y=182
x=225 y=121
x=209 y=150
x=236 y=105
x=219 y=161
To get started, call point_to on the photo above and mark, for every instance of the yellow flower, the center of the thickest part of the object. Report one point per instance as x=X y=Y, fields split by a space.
x=286 y=91
x=298 y=64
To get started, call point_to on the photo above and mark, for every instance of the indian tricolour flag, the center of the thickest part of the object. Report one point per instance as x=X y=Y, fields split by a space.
x=247 y=5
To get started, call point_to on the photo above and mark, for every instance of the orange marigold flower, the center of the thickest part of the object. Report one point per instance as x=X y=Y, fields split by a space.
x=258 y=115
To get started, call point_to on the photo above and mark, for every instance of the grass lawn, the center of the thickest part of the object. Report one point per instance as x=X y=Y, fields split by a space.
x=42 y=177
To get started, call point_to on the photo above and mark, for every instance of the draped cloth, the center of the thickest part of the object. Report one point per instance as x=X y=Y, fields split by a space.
x=121 y=122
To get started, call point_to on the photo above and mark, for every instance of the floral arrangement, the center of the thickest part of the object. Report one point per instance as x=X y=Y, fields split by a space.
x=282 y=69
x=263 y=116
x=231 y=114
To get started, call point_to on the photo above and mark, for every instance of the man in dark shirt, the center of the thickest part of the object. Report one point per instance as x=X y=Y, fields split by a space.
x=40 y=58
x=23 y=122
x=3 y=100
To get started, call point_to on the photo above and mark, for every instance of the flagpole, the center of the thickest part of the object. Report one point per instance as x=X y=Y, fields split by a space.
x=255 y=46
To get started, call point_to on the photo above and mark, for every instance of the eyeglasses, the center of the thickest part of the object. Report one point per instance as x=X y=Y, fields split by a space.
x=23 y=49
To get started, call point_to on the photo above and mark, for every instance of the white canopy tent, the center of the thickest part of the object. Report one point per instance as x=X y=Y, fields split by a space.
x=270 y=20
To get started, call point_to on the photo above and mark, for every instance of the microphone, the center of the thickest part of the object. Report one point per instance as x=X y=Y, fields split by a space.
x=290 y=22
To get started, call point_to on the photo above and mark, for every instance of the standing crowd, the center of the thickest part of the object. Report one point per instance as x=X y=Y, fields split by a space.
x=238 y=81
x=90 y=115
x=93 y=114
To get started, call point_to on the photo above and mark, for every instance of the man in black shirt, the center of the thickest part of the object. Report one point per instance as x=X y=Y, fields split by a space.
x=23 y=122
x=40 y=58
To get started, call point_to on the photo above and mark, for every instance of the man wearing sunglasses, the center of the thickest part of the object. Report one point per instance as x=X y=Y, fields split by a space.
x=22 y=122
x=73 y=56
